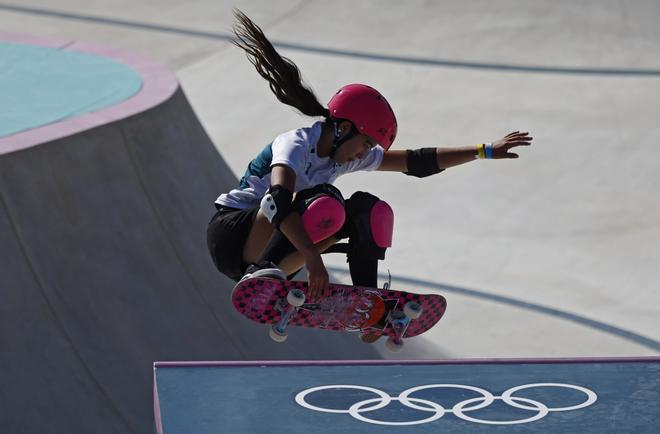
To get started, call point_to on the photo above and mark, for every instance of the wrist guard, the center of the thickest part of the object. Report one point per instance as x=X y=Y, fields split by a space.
x=276 y=204
x=422 y=162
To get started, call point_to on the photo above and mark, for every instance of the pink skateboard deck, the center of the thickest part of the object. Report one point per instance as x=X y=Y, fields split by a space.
x=346 y=308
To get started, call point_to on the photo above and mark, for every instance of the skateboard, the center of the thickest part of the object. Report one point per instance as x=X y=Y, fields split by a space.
x=380 y=312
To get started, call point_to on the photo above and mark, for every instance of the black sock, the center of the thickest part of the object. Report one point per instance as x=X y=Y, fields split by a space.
x=278 y=248
x=364 y=272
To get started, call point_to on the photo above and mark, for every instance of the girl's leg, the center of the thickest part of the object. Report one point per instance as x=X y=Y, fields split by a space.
x=260 y=233
x=294 y=261
x=264 y=244
x=322 y=212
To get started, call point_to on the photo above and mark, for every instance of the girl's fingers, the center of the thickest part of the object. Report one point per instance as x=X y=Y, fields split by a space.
x=519 y=143
x=317 y=289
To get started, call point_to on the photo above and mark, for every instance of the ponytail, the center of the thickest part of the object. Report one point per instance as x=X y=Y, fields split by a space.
x=282 y=74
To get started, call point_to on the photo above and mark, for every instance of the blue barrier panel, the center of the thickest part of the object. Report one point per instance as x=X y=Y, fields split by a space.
x=558 y=396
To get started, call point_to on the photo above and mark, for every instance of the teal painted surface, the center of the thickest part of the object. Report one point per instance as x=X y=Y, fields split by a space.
x=262 y=399
x=41 y=86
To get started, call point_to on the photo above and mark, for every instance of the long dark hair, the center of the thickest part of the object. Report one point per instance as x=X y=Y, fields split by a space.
x=282 y=74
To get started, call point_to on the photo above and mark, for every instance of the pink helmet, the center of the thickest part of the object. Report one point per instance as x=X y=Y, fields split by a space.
x=368 y=110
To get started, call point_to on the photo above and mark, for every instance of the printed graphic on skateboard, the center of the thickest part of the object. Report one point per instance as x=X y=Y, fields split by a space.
x=372 y=311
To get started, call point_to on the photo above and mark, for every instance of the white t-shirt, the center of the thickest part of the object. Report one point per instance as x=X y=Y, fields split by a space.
x=297 y=150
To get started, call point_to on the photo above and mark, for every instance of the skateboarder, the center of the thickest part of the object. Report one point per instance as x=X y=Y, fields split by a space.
x=286 y=212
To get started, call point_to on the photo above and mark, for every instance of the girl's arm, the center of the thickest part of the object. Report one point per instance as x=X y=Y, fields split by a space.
x=397 y=160
x=292 y=227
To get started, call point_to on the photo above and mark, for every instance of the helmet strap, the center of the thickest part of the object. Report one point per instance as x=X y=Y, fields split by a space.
x=337 y=140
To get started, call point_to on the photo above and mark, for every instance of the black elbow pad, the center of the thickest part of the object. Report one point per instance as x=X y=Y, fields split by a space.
x=422 y=162
x=276 y=204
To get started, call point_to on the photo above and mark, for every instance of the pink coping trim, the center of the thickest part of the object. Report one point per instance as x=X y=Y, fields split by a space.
x=474 y=361
x=158 y=85
x=382 y=224
x=324 y=217
x=157 y=415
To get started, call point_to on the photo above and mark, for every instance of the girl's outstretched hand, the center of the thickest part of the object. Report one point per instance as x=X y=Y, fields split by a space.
x=502 y=147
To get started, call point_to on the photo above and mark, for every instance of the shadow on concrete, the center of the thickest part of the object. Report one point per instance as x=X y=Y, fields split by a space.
x=104 y=270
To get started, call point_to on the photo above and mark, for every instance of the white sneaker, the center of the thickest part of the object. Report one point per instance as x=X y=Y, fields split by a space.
x=264 y=270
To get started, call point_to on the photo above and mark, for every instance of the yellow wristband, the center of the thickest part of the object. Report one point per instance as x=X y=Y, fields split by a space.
x=480 y=150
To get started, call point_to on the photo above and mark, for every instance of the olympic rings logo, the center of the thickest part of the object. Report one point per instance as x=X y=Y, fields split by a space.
x=357 y=409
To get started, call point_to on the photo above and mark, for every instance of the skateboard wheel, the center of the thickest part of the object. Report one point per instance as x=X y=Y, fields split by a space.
x=393 y=346
x=277 y=336
x=295 y=297
x=412 y=310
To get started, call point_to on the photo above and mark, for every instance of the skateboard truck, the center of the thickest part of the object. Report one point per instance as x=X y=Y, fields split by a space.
x=400 y=321
x=294 y=299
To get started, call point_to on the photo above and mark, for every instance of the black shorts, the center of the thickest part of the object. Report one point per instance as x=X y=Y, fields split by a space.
x=226 y=235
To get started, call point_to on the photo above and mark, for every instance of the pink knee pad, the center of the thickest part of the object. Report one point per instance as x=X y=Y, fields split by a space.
x=382 y=224
x=323 y=218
